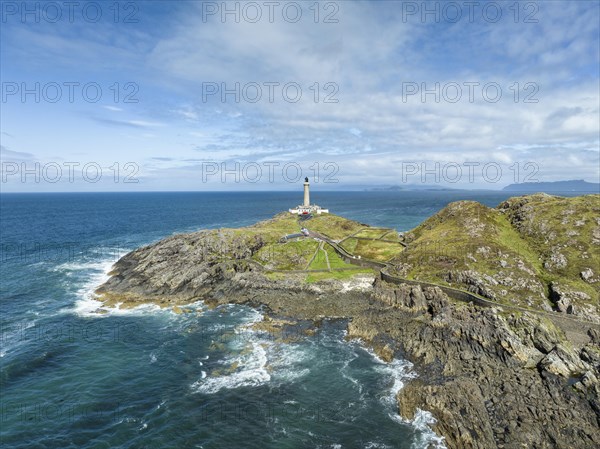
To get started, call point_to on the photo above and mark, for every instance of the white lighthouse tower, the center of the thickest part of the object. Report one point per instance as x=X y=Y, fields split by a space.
x=306 y=193
x=306 y=208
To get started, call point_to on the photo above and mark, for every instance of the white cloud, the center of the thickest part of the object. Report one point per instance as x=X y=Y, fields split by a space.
x=368 y=56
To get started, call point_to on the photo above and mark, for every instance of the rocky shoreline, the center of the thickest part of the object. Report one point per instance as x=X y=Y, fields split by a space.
x=491 y=378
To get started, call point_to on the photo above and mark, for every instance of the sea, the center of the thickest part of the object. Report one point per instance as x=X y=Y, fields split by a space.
x=153 y=378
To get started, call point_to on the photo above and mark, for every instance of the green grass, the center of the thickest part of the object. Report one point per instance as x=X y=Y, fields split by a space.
x=335 y=260
x=466 y=236
x=333 y=226
x=275 y=275
x=566 y=226
x=296 y=254
x=349 y=245
x=293 y=255
x=522 y=234
x=372 y=233
x=320 y=261
x=372 y=249
x=392 y=235
x=275 y=228
x=579 y=286
x=509 y=238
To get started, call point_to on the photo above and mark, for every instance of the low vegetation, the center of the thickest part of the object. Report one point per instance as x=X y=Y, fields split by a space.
x=536 y=251
x=378 y=250
x=320 y=261
x=372 y=233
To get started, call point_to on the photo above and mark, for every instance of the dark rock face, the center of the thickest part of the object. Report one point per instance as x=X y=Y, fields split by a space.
x=474 y=282
x=181 y=267
x=494 y=381
x=491 y=379
x=405 y=296
x=563 y=297
x=467 y=428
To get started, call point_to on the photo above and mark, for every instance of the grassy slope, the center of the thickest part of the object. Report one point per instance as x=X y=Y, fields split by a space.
x=509 y=250
x=372 y=233
x=293 y=255
x=297 y=253
x=372 y=249
x=331 y=225
x=566 y=235
x=512 y=253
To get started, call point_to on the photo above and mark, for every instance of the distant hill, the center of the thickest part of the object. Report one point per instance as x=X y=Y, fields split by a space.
x=576 y=185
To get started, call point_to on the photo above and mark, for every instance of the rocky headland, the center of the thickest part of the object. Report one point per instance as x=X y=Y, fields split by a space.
x=520 y=371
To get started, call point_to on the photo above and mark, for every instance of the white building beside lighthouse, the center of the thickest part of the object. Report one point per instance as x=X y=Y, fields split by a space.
x=306 y=208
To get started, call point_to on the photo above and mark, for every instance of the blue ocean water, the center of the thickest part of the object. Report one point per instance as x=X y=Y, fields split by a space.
x=151 y=378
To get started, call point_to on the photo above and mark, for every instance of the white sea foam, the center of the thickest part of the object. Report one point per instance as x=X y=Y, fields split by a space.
x=423 y=421
x=398 y=371
x=345 y=375
x=142 y=309
x=286 y=361
x=375 y=445
x=427 y=439
x=256 y=360
x=215 y=327
x=247 y=365
x=251 y=316
x=96 y=273
x=248 y=369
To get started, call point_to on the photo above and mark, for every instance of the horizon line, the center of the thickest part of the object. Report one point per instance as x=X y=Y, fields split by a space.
x=291 y=191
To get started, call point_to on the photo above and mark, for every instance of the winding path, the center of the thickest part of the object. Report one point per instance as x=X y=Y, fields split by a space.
x=576 y=329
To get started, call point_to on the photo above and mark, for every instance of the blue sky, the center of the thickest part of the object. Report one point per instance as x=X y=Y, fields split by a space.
x=373 y=59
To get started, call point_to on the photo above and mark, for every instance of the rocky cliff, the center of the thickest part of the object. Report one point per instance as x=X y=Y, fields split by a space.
x=492 y=377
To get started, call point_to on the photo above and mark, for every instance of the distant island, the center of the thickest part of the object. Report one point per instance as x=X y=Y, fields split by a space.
x=553 y=187
x=576 y=185
x=497 y=308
